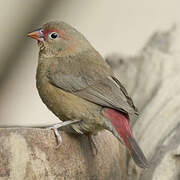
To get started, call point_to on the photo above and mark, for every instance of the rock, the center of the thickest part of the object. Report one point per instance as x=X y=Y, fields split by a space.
x=27 y=154
x=152 y=77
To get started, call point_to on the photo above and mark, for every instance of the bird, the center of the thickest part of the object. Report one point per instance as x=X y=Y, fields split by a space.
x=79 y=87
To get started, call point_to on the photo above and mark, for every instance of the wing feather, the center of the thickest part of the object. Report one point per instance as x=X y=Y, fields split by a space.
x=95 y=85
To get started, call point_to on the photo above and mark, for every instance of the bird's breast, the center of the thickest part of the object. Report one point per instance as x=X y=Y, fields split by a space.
x=68 y=106
x=64 y=104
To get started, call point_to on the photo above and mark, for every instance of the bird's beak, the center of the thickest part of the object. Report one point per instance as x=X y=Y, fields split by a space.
x=37 y=34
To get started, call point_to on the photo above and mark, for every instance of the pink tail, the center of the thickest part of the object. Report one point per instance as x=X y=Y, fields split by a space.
x=121 y=124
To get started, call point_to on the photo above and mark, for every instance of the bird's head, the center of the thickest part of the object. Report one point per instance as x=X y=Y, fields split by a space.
x=59 y=39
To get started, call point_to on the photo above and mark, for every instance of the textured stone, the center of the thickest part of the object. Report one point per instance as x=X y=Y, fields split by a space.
x=27 y=154
x=152 y=78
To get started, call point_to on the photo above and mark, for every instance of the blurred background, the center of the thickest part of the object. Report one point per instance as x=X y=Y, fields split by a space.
x=119 y=26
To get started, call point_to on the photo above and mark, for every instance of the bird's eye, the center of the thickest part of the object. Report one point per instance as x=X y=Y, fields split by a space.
x=53 y=35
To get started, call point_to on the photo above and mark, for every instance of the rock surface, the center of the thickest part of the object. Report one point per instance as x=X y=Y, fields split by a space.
x=152 y=78
x=27 y=154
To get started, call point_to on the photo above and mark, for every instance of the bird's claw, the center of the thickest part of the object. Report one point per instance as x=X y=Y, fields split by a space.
x=56 y=132
x=93 y=144
x=58 y=136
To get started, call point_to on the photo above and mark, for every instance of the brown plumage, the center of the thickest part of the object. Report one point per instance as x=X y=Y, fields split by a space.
x=76 y=83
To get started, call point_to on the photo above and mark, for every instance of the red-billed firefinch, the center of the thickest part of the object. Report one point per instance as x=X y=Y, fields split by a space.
x=79 y=87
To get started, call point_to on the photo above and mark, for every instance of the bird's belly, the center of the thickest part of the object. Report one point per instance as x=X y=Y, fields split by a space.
x=68 y=106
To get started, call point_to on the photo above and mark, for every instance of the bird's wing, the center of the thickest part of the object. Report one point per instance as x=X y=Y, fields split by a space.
x=95 y=86
x=106 y=92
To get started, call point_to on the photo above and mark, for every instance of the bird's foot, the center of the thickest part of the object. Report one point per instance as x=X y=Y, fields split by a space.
x=93 y=144
x=59 y=125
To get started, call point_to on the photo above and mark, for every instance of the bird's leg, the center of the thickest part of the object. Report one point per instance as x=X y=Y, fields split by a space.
x=93 y=144
x=59 y=125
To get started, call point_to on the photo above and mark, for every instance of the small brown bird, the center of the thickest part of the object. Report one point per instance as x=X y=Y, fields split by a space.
x=79 y=87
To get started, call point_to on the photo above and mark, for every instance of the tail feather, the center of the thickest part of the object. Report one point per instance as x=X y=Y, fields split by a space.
x=120 y=122
x=137 y=154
